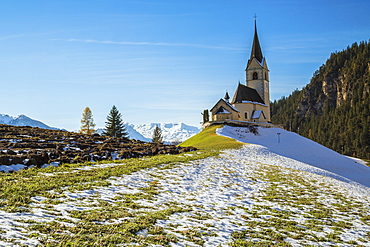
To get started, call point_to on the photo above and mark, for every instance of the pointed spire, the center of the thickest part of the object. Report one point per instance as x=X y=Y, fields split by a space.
x=227 y=97
x=256 y=48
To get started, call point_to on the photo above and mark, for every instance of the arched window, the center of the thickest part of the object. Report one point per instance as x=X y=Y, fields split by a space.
x=245 y=115
x=255 y=76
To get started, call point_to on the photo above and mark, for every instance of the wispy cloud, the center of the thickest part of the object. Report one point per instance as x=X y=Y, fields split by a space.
x=12 y=37
x=151 y=44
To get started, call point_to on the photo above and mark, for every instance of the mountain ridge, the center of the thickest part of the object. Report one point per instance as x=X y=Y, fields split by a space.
x=333 y=109
x=171 y=132
x=23 y=120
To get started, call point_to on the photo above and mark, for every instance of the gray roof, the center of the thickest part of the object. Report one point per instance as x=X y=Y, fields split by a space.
x=222 y=110
x=226 y=103
x=244 y=93
x=257 y=114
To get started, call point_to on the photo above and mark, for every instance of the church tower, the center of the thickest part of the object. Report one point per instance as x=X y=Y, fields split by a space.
x=251 y=102
x=257 y=73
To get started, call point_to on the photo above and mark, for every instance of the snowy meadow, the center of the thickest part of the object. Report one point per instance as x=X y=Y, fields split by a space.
x=259 y=194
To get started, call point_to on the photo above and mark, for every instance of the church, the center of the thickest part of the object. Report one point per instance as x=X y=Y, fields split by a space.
x=251 y=102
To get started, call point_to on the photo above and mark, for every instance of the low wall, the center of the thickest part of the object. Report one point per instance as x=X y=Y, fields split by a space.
x=237 y=123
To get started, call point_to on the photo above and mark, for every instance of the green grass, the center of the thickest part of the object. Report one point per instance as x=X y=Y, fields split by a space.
x=207 y=139
x=18 y=188
x=296 y=198
x=286 y=195
x=94 y=226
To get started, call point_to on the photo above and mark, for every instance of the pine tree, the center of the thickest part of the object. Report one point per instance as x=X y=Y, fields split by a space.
x=157 y=135
x=114 y=126
x=87 y=122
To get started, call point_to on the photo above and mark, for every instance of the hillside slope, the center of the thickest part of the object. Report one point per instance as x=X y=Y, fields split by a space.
x=207 y=139
x=334 y=108
x=243 y=197
x=294 y=146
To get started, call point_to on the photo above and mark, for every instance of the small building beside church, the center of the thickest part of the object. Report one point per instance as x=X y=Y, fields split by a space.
x=251 y=102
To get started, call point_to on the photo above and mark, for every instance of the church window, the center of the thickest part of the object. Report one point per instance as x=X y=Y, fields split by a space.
x=245 y=115
x=255 y=76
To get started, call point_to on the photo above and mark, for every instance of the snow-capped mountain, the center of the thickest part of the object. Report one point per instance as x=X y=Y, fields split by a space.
x=171 y=132
x=23 y=120
x=133 y=134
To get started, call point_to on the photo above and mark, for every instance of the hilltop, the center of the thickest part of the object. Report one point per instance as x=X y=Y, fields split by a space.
x=307 y=155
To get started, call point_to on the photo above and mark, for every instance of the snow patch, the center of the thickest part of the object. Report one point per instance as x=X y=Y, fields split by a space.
x=293 y=146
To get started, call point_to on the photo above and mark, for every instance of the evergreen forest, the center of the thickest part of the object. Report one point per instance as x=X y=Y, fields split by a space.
x=334 y=108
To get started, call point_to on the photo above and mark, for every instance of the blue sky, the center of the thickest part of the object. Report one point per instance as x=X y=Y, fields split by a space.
x=159 y=61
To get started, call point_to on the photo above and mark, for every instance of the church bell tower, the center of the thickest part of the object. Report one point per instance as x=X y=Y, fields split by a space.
x=257 y=73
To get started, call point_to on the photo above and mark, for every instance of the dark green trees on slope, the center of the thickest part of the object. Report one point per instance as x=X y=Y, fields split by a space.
x=334 y=108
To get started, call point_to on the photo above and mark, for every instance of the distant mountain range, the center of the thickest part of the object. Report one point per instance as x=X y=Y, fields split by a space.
x=171 y=132
x=23 y=120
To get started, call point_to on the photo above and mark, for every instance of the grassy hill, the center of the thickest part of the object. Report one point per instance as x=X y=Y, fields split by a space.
x=207 y=139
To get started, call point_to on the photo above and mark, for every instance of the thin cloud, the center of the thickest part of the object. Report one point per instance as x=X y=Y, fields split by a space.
x=12 y=37
x=150 y=44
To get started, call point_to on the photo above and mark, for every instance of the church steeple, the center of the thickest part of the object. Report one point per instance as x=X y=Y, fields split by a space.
x=257 y=72
x=256 y=47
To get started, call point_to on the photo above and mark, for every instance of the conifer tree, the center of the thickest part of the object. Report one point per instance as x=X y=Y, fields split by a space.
x=114 y=126
x=205 y=116
x=157 y=135
x=87 y=121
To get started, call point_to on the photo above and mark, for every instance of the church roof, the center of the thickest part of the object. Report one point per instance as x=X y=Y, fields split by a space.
x=256 y=47
x=221 y=102
x=222 y=110
x=244 y=94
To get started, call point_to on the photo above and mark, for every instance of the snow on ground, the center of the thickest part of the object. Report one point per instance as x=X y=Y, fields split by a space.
x=294 y=146
x=224 y=195
x=312 y=203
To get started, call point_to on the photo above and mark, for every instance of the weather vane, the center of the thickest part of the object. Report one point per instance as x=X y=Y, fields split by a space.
x=255 y=16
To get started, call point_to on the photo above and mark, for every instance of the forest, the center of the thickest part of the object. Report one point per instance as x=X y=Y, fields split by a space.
x=334 y=108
